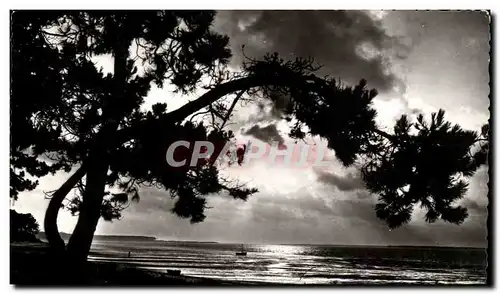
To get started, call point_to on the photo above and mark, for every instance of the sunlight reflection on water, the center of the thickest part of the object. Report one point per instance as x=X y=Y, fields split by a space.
x=301 y=264
x=281 y=250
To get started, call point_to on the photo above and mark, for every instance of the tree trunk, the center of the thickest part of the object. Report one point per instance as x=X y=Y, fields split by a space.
x=90 y=211
x=81 y=240
x=50 y=221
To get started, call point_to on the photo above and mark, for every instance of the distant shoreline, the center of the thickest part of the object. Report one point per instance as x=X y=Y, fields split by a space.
x=66 y=236
x=41 y=235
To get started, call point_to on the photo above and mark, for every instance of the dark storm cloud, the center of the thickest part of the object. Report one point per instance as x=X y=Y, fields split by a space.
x=268 y=134
x=335 y=39
x=348 y=182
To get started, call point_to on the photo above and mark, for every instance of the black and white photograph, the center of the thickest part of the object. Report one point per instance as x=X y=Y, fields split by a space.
x=250 y=148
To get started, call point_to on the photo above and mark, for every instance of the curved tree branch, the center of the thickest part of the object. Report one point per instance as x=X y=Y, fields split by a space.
x=50 y=220
x=215 y=94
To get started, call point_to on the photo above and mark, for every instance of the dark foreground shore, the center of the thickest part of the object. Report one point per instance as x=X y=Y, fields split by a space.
x=30 y=265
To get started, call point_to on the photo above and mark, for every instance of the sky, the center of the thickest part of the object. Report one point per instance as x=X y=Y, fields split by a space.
x=419 y=61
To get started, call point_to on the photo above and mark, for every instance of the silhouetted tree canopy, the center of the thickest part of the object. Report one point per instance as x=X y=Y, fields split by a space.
x=426 y=164
x=36 y=101
x=60 y=115
x=71 y=114
x=23 y=227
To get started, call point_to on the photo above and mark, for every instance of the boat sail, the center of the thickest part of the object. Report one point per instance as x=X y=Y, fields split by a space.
x=242 y=251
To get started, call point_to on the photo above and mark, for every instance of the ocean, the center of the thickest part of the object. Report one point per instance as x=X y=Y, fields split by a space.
x=302 y=264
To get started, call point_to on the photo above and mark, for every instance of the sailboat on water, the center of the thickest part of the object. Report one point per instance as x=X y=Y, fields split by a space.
x=242 y=251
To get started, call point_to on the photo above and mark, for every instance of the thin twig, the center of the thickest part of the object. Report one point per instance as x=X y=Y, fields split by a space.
x=230 y=110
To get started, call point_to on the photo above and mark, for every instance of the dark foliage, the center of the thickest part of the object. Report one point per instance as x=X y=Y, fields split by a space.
x=23 y=227
x=60 y=116
x=427 y=164
x=36 y=100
